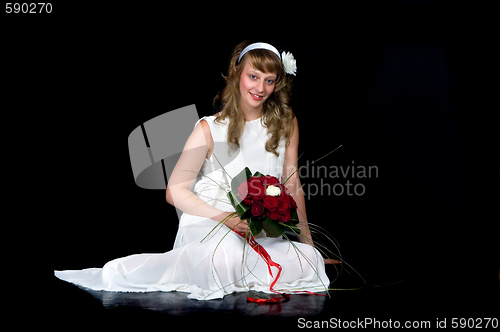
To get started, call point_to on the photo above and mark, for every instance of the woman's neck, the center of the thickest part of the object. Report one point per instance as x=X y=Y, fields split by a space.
x=251 y=114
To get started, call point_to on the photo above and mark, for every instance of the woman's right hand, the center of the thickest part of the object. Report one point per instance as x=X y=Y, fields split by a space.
x=235 y=222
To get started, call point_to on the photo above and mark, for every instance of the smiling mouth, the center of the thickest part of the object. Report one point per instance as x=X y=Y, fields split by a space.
x=256 y=97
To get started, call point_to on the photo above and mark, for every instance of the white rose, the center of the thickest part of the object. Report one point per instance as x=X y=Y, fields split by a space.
x=289 y=63
x=273 y=191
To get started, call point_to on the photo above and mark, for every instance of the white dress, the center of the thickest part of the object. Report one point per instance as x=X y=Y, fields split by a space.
x=223 y=263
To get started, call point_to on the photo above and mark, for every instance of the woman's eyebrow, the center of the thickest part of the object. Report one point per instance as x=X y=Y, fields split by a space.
x=258 y=72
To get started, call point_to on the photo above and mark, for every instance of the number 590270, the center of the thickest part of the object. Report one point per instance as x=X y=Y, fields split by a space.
x=28 y=8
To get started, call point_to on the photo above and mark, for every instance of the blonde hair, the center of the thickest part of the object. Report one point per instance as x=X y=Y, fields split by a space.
x=277 y=113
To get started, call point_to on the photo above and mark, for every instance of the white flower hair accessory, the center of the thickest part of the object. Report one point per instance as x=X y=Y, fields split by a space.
x=287 y=59
x=289 y=63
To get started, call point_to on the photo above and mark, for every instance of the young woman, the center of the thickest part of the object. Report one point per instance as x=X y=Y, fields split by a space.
x=255 y=128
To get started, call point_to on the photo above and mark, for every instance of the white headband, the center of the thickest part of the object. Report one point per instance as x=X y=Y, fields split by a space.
x=264 y=46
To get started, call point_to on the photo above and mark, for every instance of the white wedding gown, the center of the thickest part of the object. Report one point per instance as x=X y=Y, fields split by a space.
x=215 y=267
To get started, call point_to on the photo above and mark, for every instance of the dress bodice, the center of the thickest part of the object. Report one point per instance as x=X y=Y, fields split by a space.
x=224 y=164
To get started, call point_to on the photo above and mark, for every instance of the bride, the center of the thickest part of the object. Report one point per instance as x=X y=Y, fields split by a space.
x=255 y=128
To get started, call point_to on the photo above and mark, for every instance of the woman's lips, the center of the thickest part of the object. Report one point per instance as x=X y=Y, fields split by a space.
x=256 y=97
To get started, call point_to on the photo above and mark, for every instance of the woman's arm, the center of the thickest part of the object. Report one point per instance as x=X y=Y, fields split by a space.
x=293 y=184
x=184 y=174
x=295 y=188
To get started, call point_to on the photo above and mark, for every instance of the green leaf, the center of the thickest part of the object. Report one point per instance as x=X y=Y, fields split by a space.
x=255 y=226
x=258 y=174
x=242 y=176
x=241 y=209
x=294 y=217
x=290 y=229
x=272 y=229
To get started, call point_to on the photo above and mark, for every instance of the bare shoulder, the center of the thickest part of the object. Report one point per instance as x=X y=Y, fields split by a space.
x=206 y=130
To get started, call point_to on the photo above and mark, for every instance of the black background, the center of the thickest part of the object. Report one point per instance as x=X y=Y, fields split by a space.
x=405 y=86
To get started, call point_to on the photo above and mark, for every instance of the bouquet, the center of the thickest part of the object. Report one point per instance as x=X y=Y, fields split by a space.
x=264 y=203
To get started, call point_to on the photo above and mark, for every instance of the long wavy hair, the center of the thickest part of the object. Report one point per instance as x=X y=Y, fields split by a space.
x=277 y=113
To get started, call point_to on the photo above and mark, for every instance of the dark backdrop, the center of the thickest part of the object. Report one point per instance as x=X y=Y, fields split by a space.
x=402 y=86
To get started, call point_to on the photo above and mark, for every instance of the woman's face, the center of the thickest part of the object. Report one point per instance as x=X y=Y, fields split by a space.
x=255 y=87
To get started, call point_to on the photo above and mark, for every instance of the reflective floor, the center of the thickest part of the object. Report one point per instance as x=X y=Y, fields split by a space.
x=176 y=303
x=402 y=300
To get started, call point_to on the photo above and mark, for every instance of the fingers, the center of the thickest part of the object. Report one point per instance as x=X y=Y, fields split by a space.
x=243 y=226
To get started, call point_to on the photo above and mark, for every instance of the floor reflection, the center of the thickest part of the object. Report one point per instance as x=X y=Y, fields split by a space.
x=177 y=303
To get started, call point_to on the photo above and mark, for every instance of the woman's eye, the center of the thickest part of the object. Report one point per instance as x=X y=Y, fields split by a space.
x=270 y=81
x=253 y=77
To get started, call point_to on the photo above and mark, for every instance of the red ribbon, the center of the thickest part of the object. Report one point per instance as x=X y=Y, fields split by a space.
x=267 y=258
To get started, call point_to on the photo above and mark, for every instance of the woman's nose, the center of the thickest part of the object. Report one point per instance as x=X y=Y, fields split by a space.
x=260 y=86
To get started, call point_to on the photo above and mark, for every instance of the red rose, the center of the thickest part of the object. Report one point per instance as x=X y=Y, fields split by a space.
x=257 y=209
x=292 y=202
x=270 y=203
x=255 y=188
x=243 y=191
x=285 y=217
x=273 y=215
x=283 y=203
x=269 y=180
x=260 y=196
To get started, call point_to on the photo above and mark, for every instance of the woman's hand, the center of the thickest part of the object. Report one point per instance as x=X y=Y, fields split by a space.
x=235 y=222
x=331 y=261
